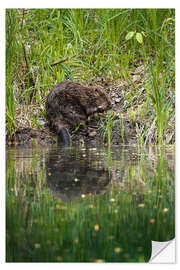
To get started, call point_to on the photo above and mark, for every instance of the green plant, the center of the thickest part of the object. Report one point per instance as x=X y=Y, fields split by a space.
x=108 y=127
x=137 y=36
x=158 y=94
x=77 y=128
x=11 y=25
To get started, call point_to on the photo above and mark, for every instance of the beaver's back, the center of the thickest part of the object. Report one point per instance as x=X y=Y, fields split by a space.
x=70 y=103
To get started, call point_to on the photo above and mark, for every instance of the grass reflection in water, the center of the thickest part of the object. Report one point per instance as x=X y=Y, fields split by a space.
x=69 y=205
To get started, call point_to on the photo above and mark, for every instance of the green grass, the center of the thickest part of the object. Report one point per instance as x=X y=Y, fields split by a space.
x=96 y=43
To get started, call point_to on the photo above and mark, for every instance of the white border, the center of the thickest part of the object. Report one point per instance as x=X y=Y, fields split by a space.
x=74 y=4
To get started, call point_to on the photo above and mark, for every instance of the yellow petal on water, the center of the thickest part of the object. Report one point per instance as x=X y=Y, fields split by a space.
x=126 y=255
x=58 y=258
x=76 y=240
x=117 y=250
x=37 y=245
x=165 y=210
x=62 y=207
x=152 y=220
x=96 y=227
x=99 y=261
x=141 y=205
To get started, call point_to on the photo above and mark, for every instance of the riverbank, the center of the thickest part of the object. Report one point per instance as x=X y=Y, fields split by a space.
x=130 y=122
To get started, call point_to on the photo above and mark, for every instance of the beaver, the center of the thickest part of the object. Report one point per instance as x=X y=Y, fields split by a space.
x=69 y=104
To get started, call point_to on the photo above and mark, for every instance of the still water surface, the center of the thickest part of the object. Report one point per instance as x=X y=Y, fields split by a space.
x=88 y=204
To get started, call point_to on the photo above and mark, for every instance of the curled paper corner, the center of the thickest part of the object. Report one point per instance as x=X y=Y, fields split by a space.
x=163 y=252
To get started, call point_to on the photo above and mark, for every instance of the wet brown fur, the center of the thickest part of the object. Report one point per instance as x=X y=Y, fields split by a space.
x=70 y=103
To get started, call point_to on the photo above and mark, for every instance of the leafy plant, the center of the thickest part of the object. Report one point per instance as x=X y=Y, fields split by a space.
x=137 y=36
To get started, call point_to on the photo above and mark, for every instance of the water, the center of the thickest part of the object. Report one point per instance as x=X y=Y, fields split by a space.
x=88 y=204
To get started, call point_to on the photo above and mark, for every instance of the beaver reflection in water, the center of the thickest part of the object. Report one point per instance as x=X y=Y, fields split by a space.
x=69 y=104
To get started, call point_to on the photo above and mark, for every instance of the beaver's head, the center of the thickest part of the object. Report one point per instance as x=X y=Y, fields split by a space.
x=100 y=101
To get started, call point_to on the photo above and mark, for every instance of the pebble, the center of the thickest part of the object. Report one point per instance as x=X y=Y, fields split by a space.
x=117 y=100
x=136 y=78
x=92 y=134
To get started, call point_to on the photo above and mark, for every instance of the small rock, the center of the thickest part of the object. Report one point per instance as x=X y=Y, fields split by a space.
x=92 y=133
x=117 y=100
x=41 y=121
x=113 y=94
x=122 y=83
x=136 y=78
